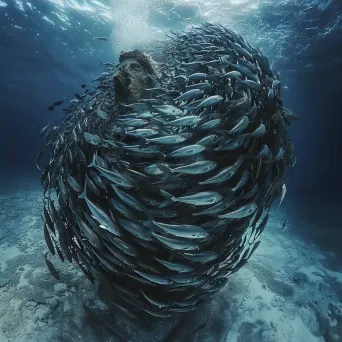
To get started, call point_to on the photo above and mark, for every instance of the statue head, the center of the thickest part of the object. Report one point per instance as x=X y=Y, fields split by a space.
x=135 y=74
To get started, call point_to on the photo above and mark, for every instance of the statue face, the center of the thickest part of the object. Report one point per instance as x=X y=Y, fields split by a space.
x=131 y=81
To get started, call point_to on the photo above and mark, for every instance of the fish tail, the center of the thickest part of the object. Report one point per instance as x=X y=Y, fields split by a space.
x=93 y=164
x=83 y=195
x=121 y=151
x=165 y=203
x=167 y=171
x=142 y=142
x=122 y=133
x=149 y=223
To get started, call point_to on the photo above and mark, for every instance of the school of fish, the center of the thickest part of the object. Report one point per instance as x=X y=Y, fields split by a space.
x=165 y=202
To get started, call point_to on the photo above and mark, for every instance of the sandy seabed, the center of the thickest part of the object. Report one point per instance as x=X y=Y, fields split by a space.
x=289 y=291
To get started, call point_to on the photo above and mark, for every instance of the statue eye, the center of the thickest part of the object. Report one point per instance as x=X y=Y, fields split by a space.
x=135 y=67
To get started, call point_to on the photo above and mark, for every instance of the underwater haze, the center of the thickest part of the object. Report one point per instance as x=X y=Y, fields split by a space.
x=291 y=288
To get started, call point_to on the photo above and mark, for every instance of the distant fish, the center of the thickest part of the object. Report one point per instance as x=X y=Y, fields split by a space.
x=283 y=227
x=3 y=119
x=83 y=86
x=39 y=156
x=57 y=103
x=307 y=9
x=51 y=268
x=101 y=38
x=282 y=194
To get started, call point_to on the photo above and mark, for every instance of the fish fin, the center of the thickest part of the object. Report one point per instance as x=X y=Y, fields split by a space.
x=121 y=150
x=122 y=133
x=167 y=171
x=83 y=195
x=92 y=164
x=142 y=142
x=165 y=203
x=101 y=137
x=149 y=223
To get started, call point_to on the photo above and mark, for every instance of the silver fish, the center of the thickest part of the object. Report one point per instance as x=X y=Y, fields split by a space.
x=168 y=109
x=168 y=139
x=202 y=86
x=218 y=207
x=128 y=199
x=236 y=75
x=74 y=184
x=101 y=114
x=263 y=152
x=183 y=230
x=104 y=220
x=260 y=131
x=252 y=85
x=210 y=101
x=92 y=139
x=282 y=194
x=284 y=225
x=210 y=124
x=115 y=177
x=122 y=245
x=240 y=126
x=225 y=174
x=48 y=239
x=176 y=244
x=154 y=302
x=88 y=233
x=196 y=168
x=135 y=229
x=154 y=278
x=181 y=268
x=190 y=94
x=279 y=155
x=244 y=211
x=136 y=123
x=121 y=208
x=142 y=150
x=231 y=145
x=243 y=180
x=187 y=151
x=154 y=169
x=290 y=115
x=143 y=132
x=201 y=256
x=275 y=84
x=200 y=198
x=184 y=121
x=208 y=140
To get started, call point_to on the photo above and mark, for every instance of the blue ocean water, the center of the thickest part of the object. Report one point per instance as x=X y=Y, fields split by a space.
x=48 y=50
